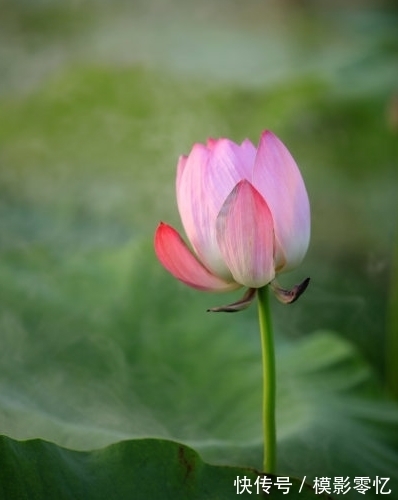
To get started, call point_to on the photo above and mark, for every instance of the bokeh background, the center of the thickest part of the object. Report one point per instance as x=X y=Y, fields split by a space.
x=98 y=343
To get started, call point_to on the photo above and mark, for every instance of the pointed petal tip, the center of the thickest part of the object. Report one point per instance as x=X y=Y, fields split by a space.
x=211 y=142
x=267 y=134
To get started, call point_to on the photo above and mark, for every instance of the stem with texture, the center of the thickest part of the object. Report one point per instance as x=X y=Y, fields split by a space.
x=269 y=380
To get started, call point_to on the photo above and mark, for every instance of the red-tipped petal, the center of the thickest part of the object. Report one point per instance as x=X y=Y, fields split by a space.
x=245 y=235
x=176 y=257
x=278 y=179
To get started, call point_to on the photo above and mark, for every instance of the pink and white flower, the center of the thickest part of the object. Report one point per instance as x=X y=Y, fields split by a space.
x=245 y=211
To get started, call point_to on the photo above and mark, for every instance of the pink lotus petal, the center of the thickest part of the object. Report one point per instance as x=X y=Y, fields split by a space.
x=176 y=257
x=278 y=179
x=182 y=160
x=245 y=235
x=208 y=176
x=210 y=143
x=248 y=156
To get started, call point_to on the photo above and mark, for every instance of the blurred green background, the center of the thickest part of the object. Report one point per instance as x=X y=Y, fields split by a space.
x=97 y=101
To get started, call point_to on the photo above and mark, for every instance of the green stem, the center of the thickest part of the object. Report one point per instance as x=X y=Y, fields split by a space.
x=269 y=381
